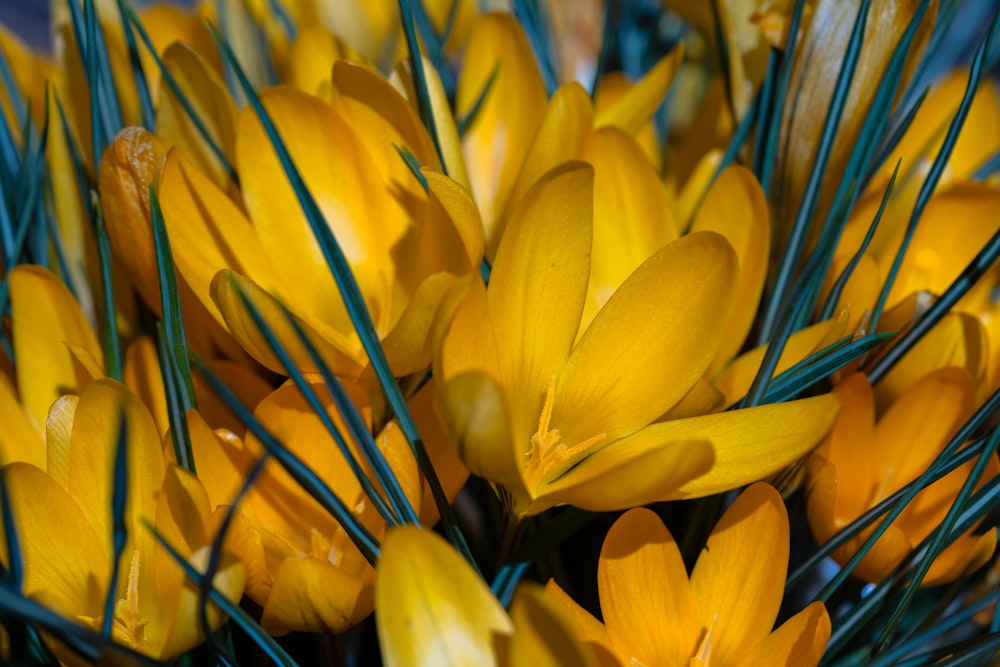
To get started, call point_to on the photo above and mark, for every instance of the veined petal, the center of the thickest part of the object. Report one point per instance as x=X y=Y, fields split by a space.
x=65 y=560
x=679 y=299
x=45 y=319
x=543 y=633
x=444 y=122
x=464 y=334
x=538 y=285
x=588 y=628
x=560 y=137
x=799 y=642
x=314 y=595
x=246 y=382
x=736 y=379
x=92 y=456
x=735 y=207
x=21 y=439
x=432 y=608
x=966 y=554
x=749 y=444
x=640 y=563
x=206 y=93
x=629 y=473
x=639 y=104
x=475 y=415
x=633 y=213
x=739 y=579
x=341 y=354
x=497 y=141
x=143 y=377
x=456 y=202
x=703 y=399
x=311 y=56
x=58 y=436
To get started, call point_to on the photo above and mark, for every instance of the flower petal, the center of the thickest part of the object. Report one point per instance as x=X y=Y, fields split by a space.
x=433 y=609
x=678 y=300
x=496 y=141
x=143 y=377
x=646 y=599
x=749 y=444
x=739 y=578
x=45 y=318
x=22 y=440
x=538 y=285
x=314 y=595
x=637 y=106
x=799 y=642
x=735 y=207
x=588 y=628
x=543 y=634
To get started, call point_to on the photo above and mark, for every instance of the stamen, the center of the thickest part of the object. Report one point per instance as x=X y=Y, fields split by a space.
x=704 y=653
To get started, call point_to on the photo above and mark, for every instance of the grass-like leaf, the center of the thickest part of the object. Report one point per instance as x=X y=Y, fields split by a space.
x=419 y=79
x=465 y=122
x=119 y=531
x=138 y=75
x=112 y=345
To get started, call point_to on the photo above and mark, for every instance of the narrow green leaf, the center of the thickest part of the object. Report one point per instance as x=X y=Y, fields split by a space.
x=420 y=79
x=413 y=165
x=180 y=436
x=465 y=122
x=112 y=344
x=138 y=75
x=119 y=531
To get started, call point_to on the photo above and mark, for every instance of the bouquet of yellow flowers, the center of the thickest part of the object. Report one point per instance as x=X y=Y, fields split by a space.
x=507 y=332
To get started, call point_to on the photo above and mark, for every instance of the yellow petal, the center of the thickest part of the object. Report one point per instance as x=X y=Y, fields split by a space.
x=639 y=104
x=222 y=453
x=735 y=207
x=799 y=642
x=226 y=288
x=497 y=141
x=444 y=123
x=466 y=338
x=537 y=287
x=736 y=379
x=206 y=93
x=182 y=630
x=678 y=299
x=92 y=456
x=461 y=210
x=58 y=436
x=475 y=415
x=65 y=560
x=543 y=634
x=314 y=595
x=311 y=57
x=45 y=319
x=560 y=137
x=633 y=213
x=646 y=599
x=629 y=473
x=588 y=628
x=246 y=381
x=703 y=399
x=433 y=609
x=739 y=578
x=143 y=377
x=21 y=439
x=749 y=444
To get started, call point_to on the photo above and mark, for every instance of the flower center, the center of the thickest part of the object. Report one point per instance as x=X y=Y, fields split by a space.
x=704 y=655
x=549 y=458
x=129 y=625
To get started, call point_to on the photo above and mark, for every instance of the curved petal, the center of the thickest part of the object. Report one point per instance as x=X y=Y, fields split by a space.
x=465 y=335
x=739 y=579
x=647 y=601
x=58 y=436
x=965 y=555
x=703 y=399
x=246 y=381
x=64 y=558
x=633 y=213
x=444 y=122
x=102 y=406
x=460 y=209
x=206 y=93
x=223 y=454
x=496 y=141
x=799 y=642
x=637 y=106
x=658 y=333
x=749 y=444
x=543 y=633
x=408 y=345
x=45 y=318
x=588 y=628
x=22 y=440
x=341 y=354
x=313 y=595
x=475 y=415
x=735 y=207
x=143 y=377
x=560 y=137
x=628 y=473
x=433 y=609
x=538 y=285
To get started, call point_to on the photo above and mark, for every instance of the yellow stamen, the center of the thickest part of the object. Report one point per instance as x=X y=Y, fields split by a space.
x=704 y=655
x=129 y=623
x=548 y=457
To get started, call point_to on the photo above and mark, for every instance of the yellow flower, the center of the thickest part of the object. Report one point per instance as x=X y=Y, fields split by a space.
x=881 y=457
x=305 y=572
x=552 y=421
x=433 y=609
x=62 y=511
x=723 y=615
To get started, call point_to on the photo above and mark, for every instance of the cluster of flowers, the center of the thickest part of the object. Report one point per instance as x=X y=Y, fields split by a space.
x=272 y=297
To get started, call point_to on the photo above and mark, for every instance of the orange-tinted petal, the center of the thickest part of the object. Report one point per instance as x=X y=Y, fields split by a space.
x=543 y=633
x=799 y=642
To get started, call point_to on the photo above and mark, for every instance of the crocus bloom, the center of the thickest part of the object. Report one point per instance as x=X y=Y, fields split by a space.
x=884 y=455
x=64 y=522
x=552 y=421
x=434 y=609
x=305 y=571
x=723 y=615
